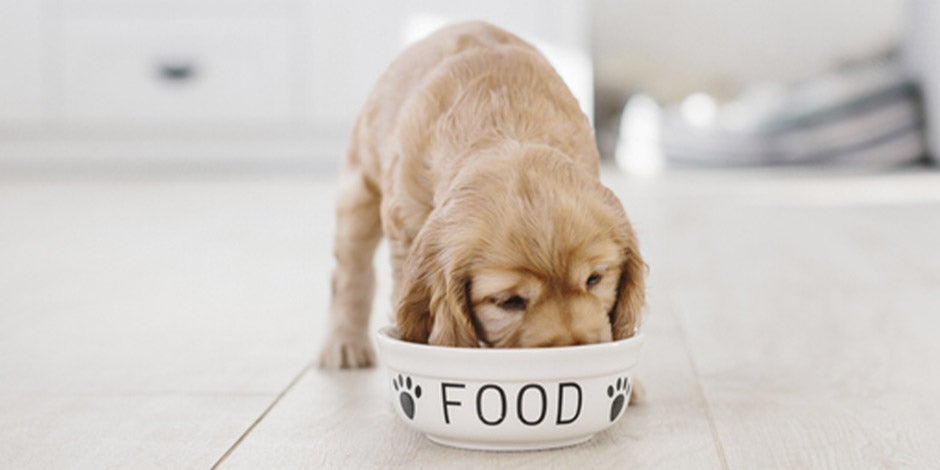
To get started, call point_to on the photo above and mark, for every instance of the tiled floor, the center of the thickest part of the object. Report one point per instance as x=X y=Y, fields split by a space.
x=164 y=322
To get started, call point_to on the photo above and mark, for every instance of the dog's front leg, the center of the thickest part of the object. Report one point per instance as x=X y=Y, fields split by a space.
x=358 y=230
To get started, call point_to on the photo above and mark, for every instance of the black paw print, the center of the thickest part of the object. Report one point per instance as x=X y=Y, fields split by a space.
x=621 y=389
x=407 y=403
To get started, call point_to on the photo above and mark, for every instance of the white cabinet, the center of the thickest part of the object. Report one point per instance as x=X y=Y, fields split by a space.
x=135 y=80
x=21 y=63
x=176 y=72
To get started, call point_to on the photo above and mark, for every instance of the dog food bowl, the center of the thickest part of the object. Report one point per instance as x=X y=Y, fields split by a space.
x=509 y=399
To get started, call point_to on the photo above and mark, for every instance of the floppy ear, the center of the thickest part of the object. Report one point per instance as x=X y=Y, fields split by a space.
x=412 y=313
x=452 y=314
x=434 y=307
x=631 y=288
x=631 y=294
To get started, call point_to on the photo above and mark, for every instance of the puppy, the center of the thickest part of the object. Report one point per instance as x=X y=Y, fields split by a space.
x=474 y=160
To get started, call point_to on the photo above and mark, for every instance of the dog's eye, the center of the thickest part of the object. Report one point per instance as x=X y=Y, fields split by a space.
x=593 y=279
x=513 y=303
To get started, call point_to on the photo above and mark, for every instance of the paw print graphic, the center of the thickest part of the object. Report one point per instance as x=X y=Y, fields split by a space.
x=403 y=386
x=618 y=392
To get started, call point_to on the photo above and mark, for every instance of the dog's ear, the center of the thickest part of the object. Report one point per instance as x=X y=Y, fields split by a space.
x=452 y=313
x=631 y=289
x=412 y=314
x=434 y=306
x=631 y=294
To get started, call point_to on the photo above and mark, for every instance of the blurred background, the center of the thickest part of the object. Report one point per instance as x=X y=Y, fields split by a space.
x=168 y=181
x=278 y=83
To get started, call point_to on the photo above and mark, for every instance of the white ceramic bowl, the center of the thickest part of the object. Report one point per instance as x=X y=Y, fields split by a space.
x=509 y=399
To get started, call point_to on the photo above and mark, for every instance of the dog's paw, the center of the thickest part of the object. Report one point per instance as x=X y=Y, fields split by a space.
x=347 y=352
x=639 y=393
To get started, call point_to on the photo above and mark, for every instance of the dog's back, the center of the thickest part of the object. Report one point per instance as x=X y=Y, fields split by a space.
x=483 y=79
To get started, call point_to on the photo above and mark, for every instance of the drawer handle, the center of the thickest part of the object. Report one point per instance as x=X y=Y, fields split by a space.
x=176 y=72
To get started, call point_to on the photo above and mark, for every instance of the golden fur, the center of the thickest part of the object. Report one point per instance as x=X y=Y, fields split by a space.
x=475 y=161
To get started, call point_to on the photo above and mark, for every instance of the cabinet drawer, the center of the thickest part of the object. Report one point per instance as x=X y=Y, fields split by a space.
x=176 y=72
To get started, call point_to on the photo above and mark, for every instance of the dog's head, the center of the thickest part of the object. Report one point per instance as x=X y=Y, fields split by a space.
x=526 y=252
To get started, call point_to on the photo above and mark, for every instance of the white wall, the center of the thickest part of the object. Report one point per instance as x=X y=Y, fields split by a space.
x=21 y=64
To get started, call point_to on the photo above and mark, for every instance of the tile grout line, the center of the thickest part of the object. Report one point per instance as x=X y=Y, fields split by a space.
x=264 y=413
x=719 y=449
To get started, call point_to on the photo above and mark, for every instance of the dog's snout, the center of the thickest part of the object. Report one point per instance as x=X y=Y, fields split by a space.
x=557 y=343
x=567 y=338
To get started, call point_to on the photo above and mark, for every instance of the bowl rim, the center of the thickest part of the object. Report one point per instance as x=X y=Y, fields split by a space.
x=513 y=364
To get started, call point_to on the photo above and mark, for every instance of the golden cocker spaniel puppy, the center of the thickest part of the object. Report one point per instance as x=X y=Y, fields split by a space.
x=474 y=160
